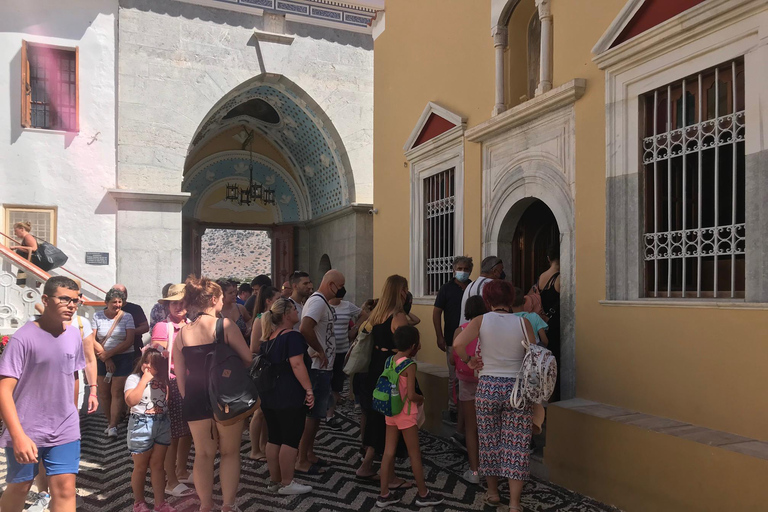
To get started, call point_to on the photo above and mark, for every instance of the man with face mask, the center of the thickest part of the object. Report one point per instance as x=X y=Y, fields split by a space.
x=491 y=268
x=448 y=306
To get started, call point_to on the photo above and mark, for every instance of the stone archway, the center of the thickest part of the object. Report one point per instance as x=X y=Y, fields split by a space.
x=519 y=187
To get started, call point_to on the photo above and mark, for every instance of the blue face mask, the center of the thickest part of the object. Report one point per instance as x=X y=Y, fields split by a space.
x=462 y=276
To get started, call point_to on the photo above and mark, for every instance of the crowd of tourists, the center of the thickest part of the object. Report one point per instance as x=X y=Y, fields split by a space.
x=296 y=345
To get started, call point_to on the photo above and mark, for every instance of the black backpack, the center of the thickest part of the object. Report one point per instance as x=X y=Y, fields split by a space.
x=230 y=388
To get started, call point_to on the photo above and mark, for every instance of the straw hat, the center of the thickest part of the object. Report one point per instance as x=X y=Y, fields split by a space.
x=175 y=292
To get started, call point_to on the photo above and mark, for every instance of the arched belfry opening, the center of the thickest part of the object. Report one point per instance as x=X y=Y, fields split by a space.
x=267 y=157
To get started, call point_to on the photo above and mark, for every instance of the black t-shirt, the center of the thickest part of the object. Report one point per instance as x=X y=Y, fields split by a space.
x=449 y=300
x=288 y=392
x=250 y=303
x=138 y=318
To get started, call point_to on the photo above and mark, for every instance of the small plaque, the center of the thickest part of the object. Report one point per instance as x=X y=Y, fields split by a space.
x=97 y=258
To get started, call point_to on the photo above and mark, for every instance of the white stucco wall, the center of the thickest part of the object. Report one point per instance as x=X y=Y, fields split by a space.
x=71 y=171
x=177 y=60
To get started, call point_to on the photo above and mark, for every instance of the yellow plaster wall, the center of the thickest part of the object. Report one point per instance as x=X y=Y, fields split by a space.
x=703 y=366
x=414 y=63
x=639 y=470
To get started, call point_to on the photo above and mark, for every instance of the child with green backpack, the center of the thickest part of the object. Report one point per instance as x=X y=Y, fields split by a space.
x=395 y=396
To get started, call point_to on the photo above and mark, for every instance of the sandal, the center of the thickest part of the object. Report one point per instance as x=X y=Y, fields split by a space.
x=401 y=486
x=313 y=470
x=495 y=502
x=188 y=479
x=180 y=490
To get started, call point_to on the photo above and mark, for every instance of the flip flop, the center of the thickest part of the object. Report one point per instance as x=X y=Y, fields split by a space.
x=374 y=478
x=401 y=486
x=313 y=470
x=180 y=491
x=263 y=458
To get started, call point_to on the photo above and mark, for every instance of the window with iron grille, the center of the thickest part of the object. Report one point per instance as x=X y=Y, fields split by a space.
x=694 y=180
x=49 y=87
x=439 y=232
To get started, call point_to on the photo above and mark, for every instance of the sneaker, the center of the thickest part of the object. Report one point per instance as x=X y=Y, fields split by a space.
x=165 y=507
x=429 y=500
x=40 y=502
x=333 y=424
x=112 y=432
x=472 y=477
x=141 y=507
x=389 y=499
x=459 y=441
x=294 y=488
x=274 y=486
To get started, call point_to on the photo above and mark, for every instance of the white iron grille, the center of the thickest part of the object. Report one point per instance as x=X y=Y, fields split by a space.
x=694 y=227
x=439 y=229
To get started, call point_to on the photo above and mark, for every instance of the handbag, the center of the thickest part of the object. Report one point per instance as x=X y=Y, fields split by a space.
x=358 y=357
x=231 y=391
x=48 y=256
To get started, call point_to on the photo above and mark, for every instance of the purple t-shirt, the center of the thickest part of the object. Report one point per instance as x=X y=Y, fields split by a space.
x=45 y=367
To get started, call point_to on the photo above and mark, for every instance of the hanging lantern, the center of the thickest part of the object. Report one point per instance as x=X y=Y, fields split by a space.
x=233 y=192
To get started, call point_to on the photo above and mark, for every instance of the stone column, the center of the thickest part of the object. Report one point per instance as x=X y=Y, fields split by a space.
x=499 y=44
x=545 y=56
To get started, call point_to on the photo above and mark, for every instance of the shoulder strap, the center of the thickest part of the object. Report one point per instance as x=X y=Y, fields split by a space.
x=527 y=342
x=116 y=321
x=552 y=280
x=80 y=325
x=219 y=331
x=405 y=364
x=330 y=309
x=169 y=346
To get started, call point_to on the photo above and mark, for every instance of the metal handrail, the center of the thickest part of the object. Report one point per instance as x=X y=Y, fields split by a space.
x=35 y=269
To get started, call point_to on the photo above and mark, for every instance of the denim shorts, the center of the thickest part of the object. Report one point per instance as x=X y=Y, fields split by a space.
x=147 y=430
x=321 y=387
x=123 y=365
x=63 y=459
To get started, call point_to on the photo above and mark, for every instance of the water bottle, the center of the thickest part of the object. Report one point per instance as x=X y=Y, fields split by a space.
x=108 y=377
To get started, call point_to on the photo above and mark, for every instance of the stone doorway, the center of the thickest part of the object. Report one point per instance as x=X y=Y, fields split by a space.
x=535 y=232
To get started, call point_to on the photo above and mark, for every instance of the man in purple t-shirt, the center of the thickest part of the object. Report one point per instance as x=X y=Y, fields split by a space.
x=36 y=381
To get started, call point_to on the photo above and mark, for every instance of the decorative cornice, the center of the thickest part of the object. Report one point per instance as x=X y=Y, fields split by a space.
x=617 y=26
x=342 y=212
x=432 y=108
x=695 y=23
x=121 y=195
x=532 y=109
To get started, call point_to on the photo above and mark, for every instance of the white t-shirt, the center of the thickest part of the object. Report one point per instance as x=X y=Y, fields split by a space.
x=345 y=312
x=299 y=309
x=474 y=288
x=101 y=325
x=501 y=336
x=318 y=309
x=154 y=399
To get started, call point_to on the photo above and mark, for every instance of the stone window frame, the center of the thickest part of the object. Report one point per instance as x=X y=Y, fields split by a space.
x=52 y=212
x=434 y=156
x=716 y=31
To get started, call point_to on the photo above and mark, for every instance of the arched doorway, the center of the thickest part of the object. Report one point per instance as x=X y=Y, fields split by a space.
x=535 y=232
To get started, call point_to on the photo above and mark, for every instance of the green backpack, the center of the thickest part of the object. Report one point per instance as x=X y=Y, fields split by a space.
x=386 y=395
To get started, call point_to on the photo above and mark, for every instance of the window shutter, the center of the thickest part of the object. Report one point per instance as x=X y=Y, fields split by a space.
x=77 y=88
x=26 y=90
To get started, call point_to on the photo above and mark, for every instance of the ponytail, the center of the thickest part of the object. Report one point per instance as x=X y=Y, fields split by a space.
x=274 y=317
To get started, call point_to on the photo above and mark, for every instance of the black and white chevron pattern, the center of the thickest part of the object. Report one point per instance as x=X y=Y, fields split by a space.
x=105 y=474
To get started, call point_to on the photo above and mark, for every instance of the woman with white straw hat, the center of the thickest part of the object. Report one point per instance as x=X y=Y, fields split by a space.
x=163 y=335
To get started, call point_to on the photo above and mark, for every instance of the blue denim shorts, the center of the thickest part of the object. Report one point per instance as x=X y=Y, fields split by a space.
x=63 y=459
x=123 y=365
x=321 y=387
x=147 y=430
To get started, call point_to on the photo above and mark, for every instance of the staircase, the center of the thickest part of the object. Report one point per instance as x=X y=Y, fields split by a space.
x=17 y=301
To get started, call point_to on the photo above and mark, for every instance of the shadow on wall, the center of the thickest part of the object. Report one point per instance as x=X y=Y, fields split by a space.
x=249 y=21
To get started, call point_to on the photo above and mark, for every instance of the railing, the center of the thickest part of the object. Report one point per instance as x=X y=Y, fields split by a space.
x=17 y=300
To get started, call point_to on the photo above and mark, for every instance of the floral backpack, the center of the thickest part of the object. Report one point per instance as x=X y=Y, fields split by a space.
x=535 y=382
x=386 y=395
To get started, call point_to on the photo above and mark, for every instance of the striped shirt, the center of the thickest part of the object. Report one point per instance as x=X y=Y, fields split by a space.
x=345 y=312
x=101 y=325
